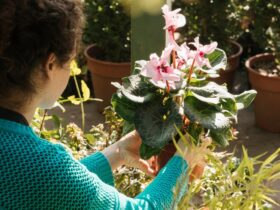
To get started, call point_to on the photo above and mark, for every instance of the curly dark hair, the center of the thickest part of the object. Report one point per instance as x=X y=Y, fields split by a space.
x=30 y=30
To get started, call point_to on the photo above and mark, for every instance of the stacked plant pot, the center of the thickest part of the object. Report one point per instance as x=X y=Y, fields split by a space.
x=102 y=74
x=267 y=102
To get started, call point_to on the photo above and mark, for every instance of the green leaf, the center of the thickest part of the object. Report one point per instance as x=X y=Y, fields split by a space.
x=195 y=131
x=217 y=95
x=229 y=105
x=127 y=127
x=146 y=152
x=56 y=121
x=208 y=116
x=90 y=138
x=211 y=89
x=74 y=69
x=85 y=91
x=73 y=100
x=245 y=99
x=221 y=137
x=209 y=100
x=218 y=61
x=124 y=107
x=136 y=89
x=156 y=122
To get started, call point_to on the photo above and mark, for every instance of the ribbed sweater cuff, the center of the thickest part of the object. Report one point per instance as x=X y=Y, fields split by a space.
x=165 y=183
x=97 y=163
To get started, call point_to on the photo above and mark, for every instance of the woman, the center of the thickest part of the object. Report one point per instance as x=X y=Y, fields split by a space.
x=38 y=40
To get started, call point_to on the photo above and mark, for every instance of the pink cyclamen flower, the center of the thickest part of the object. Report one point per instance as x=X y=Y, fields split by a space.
x=183 y=55
x=159 y=70
x=201 y=51
x=173 y=20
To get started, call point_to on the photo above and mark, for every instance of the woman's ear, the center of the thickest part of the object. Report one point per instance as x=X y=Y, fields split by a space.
x=50 y=65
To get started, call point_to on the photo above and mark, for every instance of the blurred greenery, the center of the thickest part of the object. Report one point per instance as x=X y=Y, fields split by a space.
x=230 y=182
x=260 y=20
x=211 y=20
x=108 y=26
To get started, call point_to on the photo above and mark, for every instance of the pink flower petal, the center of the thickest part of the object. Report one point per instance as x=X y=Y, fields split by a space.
x=165 y=55
x=172 y=18
x=184 y=52
x=180 y=20
x=170 y=77
x=207 y=49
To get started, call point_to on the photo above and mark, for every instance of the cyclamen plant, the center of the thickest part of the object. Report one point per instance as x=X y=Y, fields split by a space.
x=162 y=96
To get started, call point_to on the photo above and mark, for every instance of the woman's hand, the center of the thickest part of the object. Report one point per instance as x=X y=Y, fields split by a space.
x=195 y=157
x=126 y=152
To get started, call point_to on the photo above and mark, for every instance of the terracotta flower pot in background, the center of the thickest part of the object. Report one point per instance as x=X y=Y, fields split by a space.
x=102 y=74
x=267 y=102
x=165 y=155
x=227 y=76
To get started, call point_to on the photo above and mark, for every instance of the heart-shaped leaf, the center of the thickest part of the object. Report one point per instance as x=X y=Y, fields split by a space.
x=156 y=122
x=208 y=116
x=136 y=89
x=218 y=61
x=221 y=137
x=123 y=106
x=245 y=99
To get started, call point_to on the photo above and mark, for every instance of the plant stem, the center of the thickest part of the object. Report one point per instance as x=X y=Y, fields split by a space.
x=173 y=51
x=82 y=103
x=190 y=73
x=167 y=87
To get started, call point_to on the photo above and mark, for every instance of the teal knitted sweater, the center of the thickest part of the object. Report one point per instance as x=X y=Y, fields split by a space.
x=36 y=174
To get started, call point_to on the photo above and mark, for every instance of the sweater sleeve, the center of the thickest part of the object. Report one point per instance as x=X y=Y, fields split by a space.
x=86 y=190
x=98 y=164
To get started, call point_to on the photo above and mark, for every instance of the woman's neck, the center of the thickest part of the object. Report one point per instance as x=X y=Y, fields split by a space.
x=27 y=111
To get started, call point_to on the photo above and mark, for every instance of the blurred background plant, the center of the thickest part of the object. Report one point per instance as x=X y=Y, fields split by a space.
x=108 y=26
x=214 y=20
x=211 y=20
x=234 y=183
x=144 y=6
x=260 y=21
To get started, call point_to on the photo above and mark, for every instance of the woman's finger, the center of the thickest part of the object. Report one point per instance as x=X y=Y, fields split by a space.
x=145 y=167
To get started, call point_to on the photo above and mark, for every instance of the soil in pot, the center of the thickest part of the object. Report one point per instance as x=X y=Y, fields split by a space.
x=265 y=79
x=267 y=68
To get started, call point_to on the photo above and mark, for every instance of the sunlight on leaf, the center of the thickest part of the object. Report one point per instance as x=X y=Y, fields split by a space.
x=85 y=91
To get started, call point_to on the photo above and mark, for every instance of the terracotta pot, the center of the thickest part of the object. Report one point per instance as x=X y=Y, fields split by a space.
x=227 y=76
x=167 y=152
x=102 y=74
x=267 y=102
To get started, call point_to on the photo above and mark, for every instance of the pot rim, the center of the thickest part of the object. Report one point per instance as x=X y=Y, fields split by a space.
x=240 y=49
x=248 y=65
x=101 y=61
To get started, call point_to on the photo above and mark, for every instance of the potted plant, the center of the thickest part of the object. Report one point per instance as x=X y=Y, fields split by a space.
x=214 y=20
x=107 y=34
x=264 y=69
x=164 y=99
